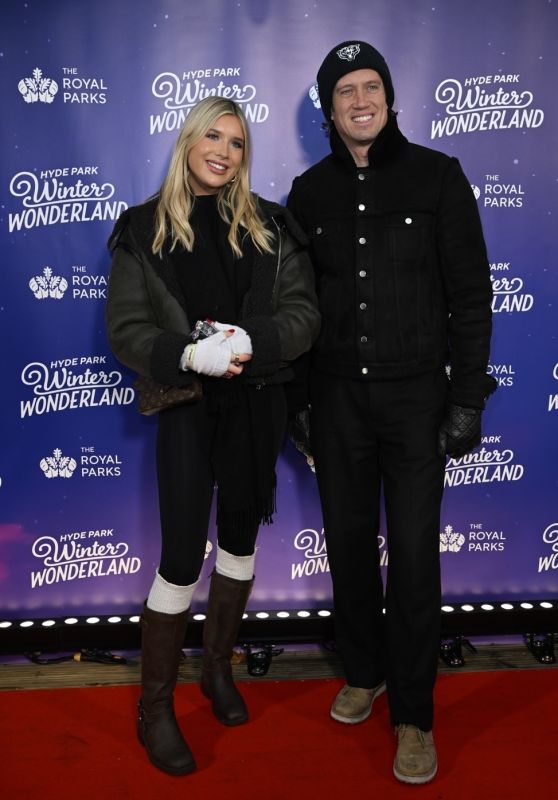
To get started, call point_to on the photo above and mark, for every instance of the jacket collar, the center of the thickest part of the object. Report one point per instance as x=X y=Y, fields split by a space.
x=386 y=146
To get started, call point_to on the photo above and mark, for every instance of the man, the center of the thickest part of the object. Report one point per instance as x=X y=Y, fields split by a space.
x=404 y=286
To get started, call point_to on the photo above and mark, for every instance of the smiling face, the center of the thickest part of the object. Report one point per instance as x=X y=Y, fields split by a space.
x=359 y=111
x=217 y=157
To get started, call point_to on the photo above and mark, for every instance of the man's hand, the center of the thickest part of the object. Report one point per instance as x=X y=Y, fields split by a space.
x=460 y=431
x=299 y=434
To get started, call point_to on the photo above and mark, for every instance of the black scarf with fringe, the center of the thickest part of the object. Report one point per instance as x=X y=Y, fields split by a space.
x=214 y=283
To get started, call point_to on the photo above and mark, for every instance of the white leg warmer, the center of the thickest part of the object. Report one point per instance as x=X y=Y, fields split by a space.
x=167 y=598
x=240 y=568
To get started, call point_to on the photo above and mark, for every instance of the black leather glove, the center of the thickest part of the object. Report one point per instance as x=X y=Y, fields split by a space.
x=460 y=431
x=299 y=434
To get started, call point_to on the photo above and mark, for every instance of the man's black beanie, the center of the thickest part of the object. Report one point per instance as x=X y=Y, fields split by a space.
x=348 y=57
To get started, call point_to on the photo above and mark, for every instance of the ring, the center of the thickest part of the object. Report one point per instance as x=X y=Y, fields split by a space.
x=236 y=361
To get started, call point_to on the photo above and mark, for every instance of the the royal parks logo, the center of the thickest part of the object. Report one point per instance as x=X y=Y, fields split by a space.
x=314 y=96
x=85 y=286
x=504 y=374
x=477 y=538
x=180 y=91
x=48 y=285
x=76 y=88
x=451 y=541
x=38 y=88
x=58 y=465
x=92 y=464
x=484 y=103
x=498 y=192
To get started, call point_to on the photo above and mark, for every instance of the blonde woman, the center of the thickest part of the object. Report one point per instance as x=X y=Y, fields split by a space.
x=206 y=248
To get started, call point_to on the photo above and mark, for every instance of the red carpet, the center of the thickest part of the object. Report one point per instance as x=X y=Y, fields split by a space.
x=496 y=732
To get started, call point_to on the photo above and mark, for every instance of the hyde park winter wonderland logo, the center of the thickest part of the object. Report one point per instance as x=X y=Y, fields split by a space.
x=487 y=465
x=62 y=195
x=81 y=554
x=58 y=386
x=180 y=92
x=550 y=536
x=313 y=546
x=484 y=103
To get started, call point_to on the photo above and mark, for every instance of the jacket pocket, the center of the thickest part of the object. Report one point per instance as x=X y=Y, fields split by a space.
x=408 y=235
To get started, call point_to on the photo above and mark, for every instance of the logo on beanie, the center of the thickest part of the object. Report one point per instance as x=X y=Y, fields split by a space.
x=349 y=53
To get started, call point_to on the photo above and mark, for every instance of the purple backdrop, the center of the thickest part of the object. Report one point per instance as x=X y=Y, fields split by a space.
x=94 y=95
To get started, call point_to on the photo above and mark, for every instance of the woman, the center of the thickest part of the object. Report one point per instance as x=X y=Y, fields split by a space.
x=205 y=247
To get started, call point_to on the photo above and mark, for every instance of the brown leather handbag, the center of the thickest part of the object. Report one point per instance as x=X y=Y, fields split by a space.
x=154 y=397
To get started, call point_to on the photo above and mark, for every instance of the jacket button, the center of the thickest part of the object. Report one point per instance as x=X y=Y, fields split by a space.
x=408 y=220
x=362 y=273
x=362 y=240
x=318 y=230
x=364 y=339
x=362 y=306
x=361 y=176
x=364 y=370
x=361 y=207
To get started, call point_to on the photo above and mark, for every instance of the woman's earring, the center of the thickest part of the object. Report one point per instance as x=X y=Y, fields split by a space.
x=232 y=180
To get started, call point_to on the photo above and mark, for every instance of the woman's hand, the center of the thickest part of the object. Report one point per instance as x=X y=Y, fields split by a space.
x=236 y=364
x=214 y=356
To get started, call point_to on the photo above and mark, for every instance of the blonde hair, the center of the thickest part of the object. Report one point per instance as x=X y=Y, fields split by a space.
x=235 y=203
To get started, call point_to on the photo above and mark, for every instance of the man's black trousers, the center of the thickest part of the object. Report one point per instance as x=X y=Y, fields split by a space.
x=369 y=437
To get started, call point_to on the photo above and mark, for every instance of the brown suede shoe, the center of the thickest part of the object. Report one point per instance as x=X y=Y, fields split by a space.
x=415 y=761
x=354 y=705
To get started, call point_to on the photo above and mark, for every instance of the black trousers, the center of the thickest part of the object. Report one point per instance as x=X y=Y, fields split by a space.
x=367 y=437
x=186 y=481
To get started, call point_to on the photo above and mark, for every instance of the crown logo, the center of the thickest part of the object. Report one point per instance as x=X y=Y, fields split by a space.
x=48 y=285
x=37 y=88
x=57 y=465
x=451 y=541
x=349 y=53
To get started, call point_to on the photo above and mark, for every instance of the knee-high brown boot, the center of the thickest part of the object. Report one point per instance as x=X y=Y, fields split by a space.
x=225 y=607
x=162 y=640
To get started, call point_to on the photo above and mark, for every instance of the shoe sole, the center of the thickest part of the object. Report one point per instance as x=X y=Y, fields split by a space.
x=361 y=717
x=415 y=779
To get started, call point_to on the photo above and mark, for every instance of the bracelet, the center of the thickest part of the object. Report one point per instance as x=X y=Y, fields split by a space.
x=189 y=354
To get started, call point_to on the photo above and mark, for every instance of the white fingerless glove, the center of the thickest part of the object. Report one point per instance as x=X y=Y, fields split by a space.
x=240 y=340
x=209 y=356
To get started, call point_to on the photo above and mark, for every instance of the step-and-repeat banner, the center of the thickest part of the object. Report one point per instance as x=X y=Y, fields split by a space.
x=93 y=98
